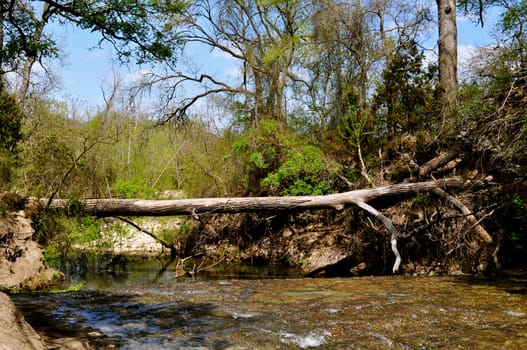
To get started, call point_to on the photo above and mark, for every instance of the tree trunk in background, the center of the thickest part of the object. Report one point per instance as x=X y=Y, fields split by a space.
x=447 y=58
x=2 y=73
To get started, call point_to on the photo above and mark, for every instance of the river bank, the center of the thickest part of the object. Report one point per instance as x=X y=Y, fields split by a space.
x=321 y=244
x=22 y=269
x=15 y=332
x=21 y=262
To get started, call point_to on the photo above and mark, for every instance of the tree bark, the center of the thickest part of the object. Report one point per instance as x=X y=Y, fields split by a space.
x=436 y=162
x=138 y=207
x=447 y=56
x=465 y=211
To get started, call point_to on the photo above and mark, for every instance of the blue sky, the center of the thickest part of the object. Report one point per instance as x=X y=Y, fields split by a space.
x=85 y=70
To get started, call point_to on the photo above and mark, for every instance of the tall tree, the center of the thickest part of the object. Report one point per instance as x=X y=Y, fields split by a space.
x=350 y=44
x=263 y=37
x=448 y=79
x=403 y=101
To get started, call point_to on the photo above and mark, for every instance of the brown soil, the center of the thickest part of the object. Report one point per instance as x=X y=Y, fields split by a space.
x=22 y=269
x=21 y=264
x=15 y=332
x=321 y=243
x=348 y=243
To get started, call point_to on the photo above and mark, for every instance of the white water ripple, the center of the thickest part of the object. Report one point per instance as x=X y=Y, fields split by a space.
x=311 y=340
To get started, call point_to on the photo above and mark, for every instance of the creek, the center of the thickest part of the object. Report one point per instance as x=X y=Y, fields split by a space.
x=137 y=307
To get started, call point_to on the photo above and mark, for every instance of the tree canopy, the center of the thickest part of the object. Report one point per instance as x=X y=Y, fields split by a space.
x=144 y=31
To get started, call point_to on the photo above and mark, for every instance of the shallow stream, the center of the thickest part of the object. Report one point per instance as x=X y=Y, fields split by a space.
x=272 y=310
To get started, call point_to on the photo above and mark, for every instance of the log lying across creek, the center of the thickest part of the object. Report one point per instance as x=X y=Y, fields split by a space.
x=106 y=207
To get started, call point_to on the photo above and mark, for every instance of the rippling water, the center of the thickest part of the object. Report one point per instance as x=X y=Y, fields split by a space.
x=297 y=313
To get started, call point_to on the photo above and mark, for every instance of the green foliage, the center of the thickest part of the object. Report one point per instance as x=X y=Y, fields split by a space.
x=59 y=233
x=133 y=188
x=46 y=224
x=10 y=122
x=10 y=201
x=72 y=287
x=206 y=164
x=353 y=126
x=282 y=160
x=257 y=159
x=144 y=30
x=50 y=156
x=82 y=229
x=419 y=199
x=517 y=231
x=53 y=255
x=20 y=27
x=261 y=149
x=512 y=23
x=303 y=172
x=10 y=135
x=493 y=101
x=404 y=100
x=7 y=164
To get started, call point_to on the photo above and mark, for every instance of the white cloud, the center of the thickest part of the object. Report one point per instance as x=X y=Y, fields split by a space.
x=135 y=76
x=464 y=55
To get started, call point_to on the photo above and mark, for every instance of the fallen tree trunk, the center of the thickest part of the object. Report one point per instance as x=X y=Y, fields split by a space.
x=138 y=207
x=195 y=207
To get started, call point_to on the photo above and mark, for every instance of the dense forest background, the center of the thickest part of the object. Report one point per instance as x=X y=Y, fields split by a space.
x=329 y=96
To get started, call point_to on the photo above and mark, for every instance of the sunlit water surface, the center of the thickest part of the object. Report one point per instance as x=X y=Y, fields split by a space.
x=272 y=312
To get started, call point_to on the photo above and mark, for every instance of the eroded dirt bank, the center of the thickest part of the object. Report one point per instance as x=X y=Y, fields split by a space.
x=22 y=269
x=21 y=264
x=15 y=332
x=350 y=243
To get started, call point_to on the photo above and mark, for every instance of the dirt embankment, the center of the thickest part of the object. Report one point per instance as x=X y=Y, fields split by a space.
x=22 y=269
x=349 y=243
x=21 y=264
x=15 y=332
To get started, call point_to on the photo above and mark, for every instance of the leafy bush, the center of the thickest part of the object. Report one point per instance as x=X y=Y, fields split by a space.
x=10 y=135
x=59 y=233
x=516 y=235
x=7 y=164
x=133 y=188
x=10 y=122
x=304 y=172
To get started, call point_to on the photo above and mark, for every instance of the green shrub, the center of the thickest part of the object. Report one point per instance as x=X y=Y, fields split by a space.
x=60 y=233
x=304 y=172
x=10 y=122
x=133 y=188
x=517 y=233
x=10 y=135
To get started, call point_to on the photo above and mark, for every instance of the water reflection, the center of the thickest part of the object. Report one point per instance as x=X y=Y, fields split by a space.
x=356 y=313
x=111 y=271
